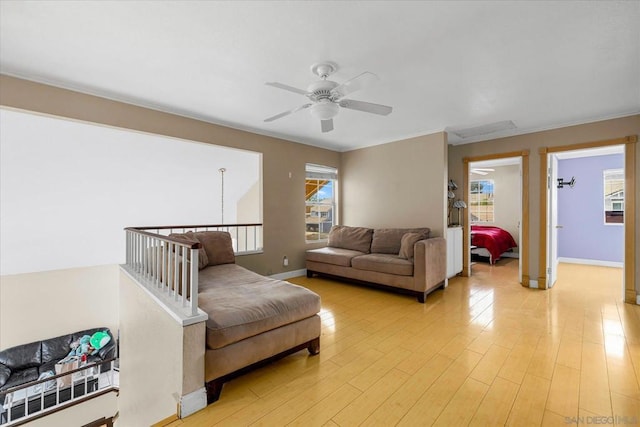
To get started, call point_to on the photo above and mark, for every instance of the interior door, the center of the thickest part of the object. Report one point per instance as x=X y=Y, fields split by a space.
x=552 y=221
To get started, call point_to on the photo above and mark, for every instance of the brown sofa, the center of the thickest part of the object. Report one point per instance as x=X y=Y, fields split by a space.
x=252 y=318
x=404 y=259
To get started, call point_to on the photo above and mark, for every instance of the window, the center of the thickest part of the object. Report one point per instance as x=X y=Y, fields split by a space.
x=481 y=200
x=613 y=196
x=320 y=198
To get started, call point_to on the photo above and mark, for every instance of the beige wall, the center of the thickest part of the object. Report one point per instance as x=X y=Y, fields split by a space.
x=42 y=305
x=162 y=361
x=78 y=415
x=597 y=131
x=400 y=184
x=507 y=201
x=283 y=203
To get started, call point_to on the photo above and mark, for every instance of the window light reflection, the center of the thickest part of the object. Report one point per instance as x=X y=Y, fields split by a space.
x=614 y=346
x=328 y=320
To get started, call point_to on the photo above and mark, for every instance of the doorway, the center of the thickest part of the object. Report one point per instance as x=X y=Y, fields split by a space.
x=495 y=214
x=585 y=210
x=522 y=228
x=547 y=227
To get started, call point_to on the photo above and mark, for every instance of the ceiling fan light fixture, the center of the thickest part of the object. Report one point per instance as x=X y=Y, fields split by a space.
x=324 y=110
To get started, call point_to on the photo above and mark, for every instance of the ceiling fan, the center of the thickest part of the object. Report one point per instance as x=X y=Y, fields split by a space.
x=327 y=96
x=482 y=171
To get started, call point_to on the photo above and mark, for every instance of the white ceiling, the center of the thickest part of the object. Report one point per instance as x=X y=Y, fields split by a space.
x=441 y=64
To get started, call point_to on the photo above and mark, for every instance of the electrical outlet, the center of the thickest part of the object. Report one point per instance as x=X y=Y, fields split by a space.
x=285 y=261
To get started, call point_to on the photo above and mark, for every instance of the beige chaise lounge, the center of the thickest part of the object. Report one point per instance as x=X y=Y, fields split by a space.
x=252 y=318
x=404 y=259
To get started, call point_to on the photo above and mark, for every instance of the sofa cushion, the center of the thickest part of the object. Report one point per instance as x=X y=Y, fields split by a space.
x=49 y=366
x=218 y=246
x=335 y=256
x=353 y=238
x=22 y=356
x=242 y=304
x=388 y=240
x=407 y=243
x=55 y=349
x=5 y=373
x=383 y=263
x=190 y=237
x=21 y=377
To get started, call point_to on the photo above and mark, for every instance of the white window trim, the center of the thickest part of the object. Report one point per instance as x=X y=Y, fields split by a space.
x=493 y=184
x=314 y=171
x=605 y=173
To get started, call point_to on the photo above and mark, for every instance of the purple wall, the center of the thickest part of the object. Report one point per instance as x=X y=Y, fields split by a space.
x=581 y=211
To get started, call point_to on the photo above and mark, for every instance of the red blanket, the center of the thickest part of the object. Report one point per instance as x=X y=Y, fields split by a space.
x=494 y=239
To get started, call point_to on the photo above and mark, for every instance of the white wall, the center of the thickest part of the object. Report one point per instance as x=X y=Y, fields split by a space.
x=67 y=189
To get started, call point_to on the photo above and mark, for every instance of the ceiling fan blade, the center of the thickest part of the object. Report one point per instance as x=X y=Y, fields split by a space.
x=484 y=169
x=287 y=87
x=286 y=113
x=367 y=107
x=327 y=125
x=478 y=172
x=356 y=83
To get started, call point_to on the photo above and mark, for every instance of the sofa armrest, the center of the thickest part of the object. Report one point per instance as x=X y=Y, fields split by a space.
x=430 y=263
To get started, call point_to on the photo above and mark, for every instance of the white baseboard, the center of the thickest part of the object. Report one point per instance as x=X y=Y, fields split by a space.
x=193 y=402
x=533 y=284
x=289 y=274
x=591 y=262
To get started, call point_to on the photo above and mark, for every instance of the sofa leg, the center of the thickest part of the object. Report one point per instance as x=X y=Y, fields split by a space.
x=314 y=346
x=309 y=274
x=422 y=297
x=214 y=388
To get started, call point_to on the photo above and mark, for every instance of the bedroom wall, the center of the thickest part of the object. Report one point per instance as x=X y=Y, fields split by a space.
x=584 y=235
x=596 y=131
x=400 y=184
x=506 y=198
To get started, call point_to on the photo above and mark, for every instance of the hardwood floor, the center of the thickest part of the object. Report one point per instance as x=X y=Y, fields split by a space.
x=485 y=351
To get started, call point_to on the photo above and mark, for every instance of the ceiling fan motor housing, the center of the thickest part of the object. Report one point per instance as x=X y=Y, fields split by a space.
x=321 y=90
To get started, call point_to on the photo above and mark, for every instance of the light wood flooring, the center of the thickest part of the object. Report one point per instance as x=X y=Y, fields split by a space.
x=485 y=351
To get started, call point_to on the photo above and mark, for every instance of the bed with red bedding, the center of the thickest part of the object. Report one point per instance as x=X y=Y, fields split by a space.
x=494 y=239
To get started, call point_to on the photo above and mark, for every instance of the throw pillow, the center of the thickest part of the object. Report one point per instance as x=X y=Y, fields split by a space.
x=353 y=238
x=218 y=245
x=407 y=243
x=190 y=237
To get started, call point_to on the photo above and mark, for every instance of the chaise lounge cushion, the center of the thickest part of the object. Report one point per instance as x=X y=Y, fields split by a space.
x=242 y=304
x=388 y=240
x=218 y=246
x=383 y=263
x=353 y=238
x=335 y=256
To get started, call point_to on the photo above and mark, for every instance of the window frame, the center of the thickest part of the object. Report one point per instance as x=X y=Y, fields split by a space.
x=320 y=173
x=476 y=204
x=608 y=175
